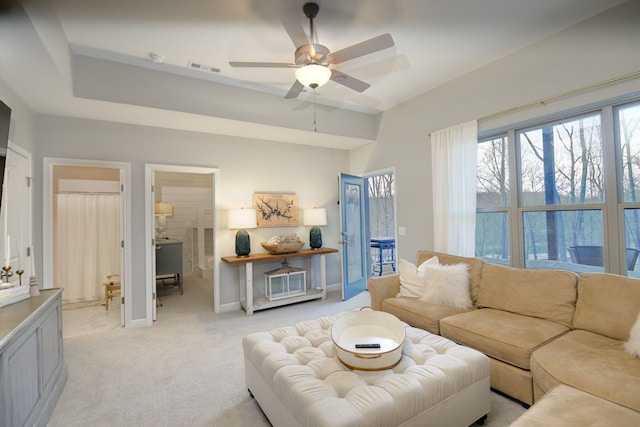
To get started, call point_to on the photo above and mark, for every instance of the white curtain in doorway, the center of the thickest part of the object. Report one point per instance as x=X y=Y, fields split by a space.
x=87 y=243
x=454 y=154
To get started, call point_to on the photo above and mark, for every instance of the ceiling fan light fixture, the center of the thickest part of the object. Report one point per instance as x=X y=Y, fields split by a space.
x=313 y=75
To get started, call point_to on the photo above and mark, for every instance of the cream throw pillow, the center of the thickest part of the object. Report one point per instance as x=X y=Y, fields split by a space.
x=633 y=345
x=412 y=277
x=447 y=285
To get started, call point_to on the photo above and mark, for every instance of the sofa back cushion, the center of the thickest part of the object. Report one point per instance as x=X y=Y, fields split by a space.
x=545 y=294
x=475 y=267
x=608 y=304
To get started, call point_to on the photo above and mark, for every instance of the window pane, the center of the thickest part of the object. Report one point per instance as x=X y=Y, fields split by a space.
x=493 y=173
x=632 y=240
x=566 y=240
x=381 y=205
x=561 y=163
x=629 y=140
x=492 y=237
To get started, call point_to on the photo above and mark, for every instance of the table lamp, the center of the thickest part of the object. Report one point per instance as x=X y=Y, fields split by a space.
x=241 y=219
x=315 y=217
x=163 y=210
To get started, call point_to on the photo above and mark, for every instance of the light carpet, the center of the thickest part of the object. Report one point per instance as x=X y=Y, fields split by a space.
x=185 y=370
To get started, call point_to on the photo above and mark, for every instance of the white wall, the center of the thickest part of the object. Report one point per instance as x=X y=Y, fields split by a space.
x=596 y=50
x=246 y=166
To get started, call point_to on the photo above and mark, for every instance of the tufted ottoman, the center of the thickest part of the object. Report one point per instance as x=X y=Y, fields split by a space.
x=298 y=380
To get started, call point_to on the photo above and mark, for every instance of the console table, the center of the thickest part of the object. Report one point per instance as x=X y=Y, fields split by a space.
x=246 y=276
x=384 y=244
x=32 y=371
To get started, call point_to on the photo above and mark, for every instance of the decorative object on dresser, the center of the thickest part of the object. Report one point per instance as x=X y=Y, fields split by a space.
x=13 y=294
x=241 y=219
x=163 y=210
x=315 y=217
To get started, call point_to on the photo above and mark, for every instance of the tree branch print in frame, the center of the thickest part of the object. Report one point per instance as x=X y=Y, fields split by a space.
x=276 y=210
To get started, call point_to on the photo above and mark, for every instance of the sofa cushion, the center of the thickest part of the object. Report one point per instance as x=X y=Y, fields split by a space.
x=412 y=277
x=475 y=267
x=565 y=406
x=418 y=313
x=499 y=334
x=607 y=304
x=545 y=294
x=589 y=362
x=447 y=284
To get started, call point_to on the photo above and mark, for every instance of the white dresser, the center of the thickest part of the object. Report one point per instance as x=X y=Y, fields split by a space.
x=32 y=371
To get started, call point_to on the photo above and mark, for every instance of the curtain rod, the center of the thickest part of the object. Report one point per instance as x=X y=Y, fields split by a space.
x=561 y=95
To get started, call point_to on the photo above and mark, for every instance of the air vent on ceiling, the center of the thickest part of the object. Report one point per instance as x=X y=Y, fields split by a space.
x=203 y=67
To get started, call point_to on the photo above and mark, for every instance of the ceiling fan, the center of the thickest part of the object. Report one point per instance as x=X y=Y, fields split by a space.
x=313 y=60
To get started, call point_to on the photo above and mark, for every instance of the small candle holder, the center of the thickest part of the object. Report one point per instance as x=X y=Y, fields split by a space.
x=20 y=273
x=34 y=289
x=7 y=273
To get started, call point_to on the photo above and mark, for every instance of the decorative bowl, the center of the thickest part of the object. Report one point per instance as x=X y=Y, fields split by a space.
x=282 y=248
x=382 y=331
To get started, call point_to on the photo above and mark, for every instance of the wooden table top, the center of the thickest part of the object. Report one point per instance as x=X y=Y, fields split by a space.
x=266 y=256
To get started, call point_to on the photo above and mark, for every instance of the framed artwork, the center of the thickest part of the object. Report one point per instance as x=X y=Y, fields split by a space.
x=276 y=210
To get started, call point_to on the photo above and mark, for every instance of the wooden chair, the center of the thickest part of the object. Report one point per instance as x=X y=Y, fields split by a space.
x=110 y=286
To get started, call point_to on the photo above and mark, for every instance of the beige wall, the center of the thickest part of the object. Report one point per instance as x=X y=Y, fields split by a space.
x=245 y=166
x=596 y=50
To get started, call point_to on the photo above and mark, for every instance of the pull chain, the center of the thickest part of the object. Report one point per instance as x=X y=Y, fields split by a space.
x=315 y=128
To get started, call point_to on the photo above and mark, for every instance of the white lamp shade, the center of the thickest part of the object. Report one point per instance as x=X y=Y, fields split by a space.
x=315 y=216
x=164 y=208
x=313 y=75
x=242 y=218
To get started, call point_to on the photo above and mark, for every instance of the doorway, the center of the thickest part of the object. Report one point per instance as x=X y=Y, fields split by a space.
x=367 y=228
x=181 y=224
x=381 y=222
x=85 y=231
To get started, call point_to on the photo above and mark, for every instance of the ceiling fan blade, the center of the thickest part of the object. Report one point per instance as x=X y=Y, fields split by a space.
x=366 y=47
x=349 y=81
x=262 y=64
x=296 y=32
x=295 y=90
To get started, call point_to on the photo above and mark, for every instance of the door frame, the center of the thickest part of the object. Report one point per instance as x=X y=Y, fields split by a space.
x=49 y=163
x=150 y=234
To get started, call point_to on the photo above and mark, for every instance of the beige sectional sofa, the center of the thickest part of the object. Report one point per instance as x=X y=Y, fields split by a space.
x=540 y=328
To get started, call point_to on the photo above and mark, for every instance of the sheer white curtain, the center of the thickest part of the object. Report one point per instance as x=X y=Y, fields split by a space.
x=454 y=153
x=87 y=243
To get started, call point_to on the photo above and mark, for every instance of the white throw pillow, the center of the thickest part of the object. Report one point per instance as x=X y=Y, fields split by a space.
x=633 y=345
x=447 y=285
x=412 y=277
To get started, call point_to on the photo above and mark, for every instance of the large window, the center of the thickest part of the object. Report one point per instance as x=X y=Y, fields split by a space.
x=576 y=198
x=493 y=201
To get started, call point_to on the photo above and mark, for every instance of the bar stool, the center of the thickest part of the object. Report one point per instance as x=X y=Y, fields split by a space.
x=109 y=287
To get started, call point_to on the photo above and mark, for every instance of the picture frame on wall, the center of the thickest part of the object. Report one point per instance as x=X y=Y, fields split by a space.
x=276 y=210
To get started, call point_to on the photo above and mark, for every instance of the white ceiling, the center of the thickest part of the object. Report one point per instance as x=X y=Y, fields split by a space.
x=91 y=59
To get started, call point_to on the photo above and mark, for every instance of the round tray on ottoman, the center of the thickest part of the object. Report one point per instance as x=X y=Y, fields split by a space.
x=368 y=340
